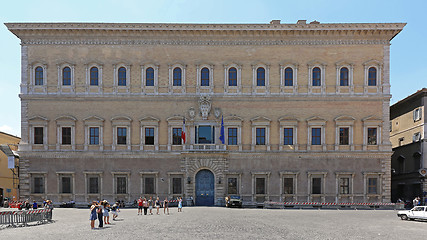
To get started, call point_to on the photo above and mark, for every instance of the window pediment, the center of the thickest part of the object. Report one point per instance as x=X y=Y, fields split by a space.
x=287 y=63
x=38 y=118
x=372 y=120
x=316 y=62
x=121 y=120
x=65 y=118
x=316 y=121
x=343 y=63
x=175 y=119
x=344 y=120
x=233 y=120
x=65 y=64
x=149 y=120
x=288 y=120
x=372 y=62
x=261 y=120
x=93 y=64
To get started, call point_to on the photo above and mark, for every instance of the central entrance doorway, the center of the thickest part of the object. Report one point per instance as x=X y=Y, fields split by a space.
x=205 y=188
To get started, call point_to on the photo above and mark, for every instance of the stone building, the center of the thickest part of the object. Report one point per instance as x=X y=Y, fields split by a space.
x=305 y=111
x=407 y=135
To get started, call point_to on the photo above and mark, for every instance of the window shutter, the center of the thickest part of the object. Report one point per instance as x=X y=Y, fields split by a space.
x=420 y=113
x=415 y=115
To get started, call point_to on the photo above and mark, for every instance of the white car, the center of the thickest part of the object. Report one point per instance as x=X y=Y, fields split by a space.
x=418 y=212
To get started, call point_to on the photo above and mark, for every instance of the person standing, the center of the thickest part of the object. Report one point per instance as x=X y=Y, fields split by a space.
x=150 y=205
x=165 y=205
x=140 y=205
x=106 y=213
x=157 y=204
x=35 y=206
x=100 y=214
x=145 y=205
x=180 y=204
x=92 y=218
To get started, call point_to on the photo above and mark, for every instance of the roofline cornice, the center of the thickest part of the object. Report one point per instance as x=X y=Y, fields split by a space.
x=21 y=30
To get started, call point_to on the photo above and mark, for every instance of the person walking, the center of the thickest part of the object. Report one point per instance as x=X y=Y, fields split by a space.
x=115 y=210
x=92 y=218
x=180 y=204
x=150 y=205
x=165 y=205
x=157 y=204
x=145 y=205
x=140 y=205
x=106 y=213
x=100 y=214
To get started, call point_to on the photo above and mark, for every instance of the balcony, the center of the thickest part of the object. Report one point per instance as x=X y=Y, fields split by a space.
x=205 y=147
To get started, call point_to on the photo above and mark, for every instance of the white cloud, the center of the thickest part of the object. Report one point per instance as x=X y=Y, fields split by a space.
x=8 y=129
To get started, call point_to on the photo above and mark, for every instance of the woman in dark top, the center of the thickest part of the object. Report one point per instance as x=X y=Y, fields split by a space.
x=166 y=205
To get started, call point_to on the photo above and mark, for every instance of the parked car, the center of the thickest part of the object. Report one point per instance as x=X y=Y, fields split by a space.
x=418 y=212
x=233 y=201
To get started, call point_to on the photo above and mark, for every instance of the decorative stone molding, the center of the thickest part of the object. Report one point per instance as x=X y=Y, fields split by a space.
x=205 y=106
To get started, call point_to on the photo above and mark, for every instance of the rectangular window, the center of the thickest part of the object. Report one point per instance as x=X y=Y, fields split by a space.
x=205 y=135
x=38 y=185
x=417 y=114
x=94 y=135
x=38 y=135
x=344 y=185
x=260 y=136
x=93 y=185
x=121 y=135
x=66 y=184
x=66 y=136
x=372 y=136
x=176 y=185
x=344 y=136
x=232 y=185
x=288 y=136
x=149 y=136
x=316 y=186
x=121 y=185
x=372 y=186
x=149 y=185
x=176 y=136
x=288 y=186
x=316 y=136
x=260 y=186
x=232 y=136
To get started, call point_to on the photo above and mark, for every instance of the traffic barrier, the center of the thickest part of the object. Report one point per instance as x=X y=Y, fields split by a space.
x=268 y=204
x=22 y=218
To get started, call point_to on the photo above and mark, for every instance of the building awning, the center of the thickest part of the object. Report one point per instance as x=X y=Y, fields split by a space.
x=8 y=152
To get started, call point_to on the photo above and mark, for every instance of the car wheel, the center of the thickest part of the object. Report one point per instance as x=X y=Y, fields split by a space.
x=403 y=217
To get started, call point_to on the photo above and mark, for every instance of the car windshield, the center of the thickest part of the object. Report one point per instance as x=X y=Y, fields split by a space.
x=418 y=209
x=234 y=197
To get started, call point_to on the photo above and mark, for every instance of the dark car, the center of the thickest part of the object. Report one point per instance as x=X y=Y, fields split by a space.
x=233 y=201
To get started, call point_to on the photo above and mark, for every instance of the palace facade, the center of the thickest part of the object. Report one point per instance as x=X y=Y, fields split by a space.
x=281 y=112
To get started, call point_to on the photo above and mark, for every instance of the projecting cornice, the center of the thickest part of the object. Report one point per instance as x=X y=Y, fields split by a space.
x=204 y=34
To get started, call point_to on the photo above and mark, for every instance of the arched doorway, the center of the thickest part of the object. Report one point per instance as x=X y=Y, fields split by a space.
x=205 y=188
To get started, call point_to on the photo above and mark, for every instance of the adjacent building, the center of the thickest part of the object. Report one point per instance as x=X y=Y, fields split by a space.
x=281 y=112
x=9 y=170
x=407 y=135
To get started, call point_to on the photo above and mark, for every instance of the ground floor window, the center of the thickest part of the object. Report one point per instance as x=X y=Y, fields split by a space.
x=372 y=186
x=288 y=186
x=121 y=185
x=232 y=185
x=149 y=185
x=316 y=185
x=65 y=184
x=260 y=186
x=176 y=185
x=344 y=185
x=38 y=184
x=93 y=185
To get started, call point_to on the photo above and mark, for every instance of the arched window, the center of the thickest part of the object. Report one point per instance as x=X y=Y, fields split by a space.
x=94 y=76
x=149 y=77
x=372 y=76
x=177 y=76
x=205 y=77
x=38 y=76
x=344 y=76
x=232 y=77
x=122 y=76
x=316 y=76
x=66 y=76
x=260 y=76
x=289 y=77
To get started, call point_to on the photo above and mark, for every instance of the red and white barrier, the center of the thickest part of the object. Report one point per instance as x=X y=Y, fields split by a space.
x=327 y=204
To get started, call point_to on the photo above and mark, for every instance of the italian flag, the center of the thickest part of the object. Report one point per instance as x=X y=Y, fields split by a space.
x=183 y=132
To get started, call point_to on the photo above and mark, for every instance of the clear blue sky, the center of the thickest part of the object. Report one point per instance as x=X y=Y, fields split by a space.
x=408 y=49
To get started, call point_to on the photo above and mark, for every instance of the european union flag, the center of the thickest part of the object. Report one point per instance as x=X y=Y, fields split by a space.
x=222 y=137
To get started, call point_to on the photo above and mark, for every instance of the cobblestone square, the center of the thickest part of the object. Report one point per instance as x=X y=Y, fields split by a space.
x=224 y=223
